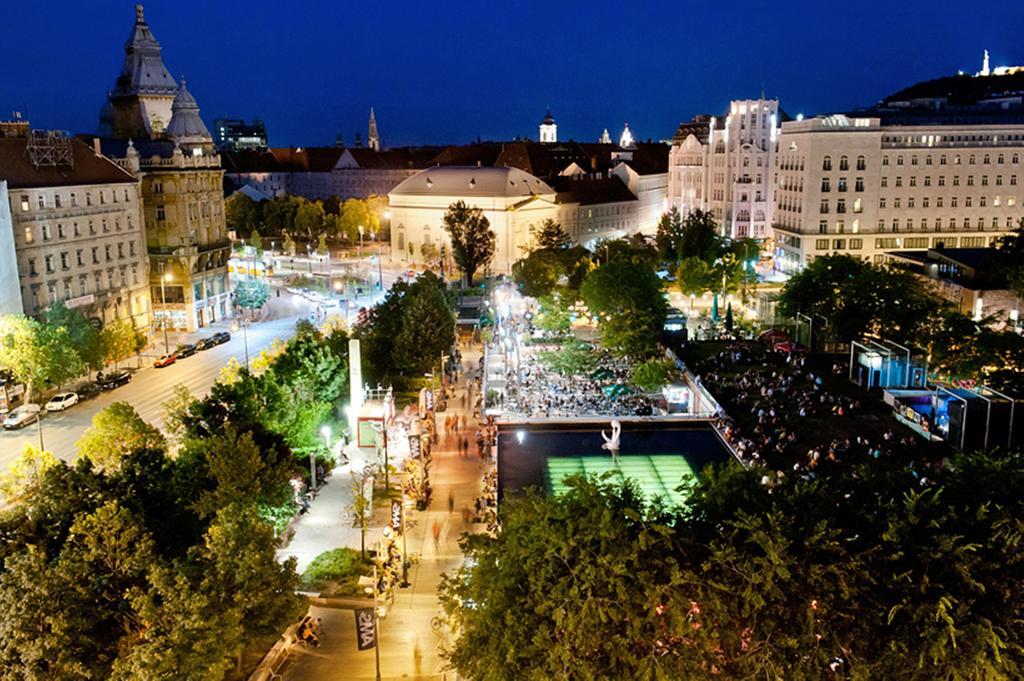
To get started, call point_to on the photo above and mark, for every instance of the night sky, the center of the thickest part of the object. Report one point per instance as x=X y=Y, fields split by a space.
x=447 y=72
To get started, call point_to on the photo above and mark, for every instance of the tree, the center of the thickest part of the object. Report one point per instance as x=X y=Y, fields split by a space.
x=289 y=245
x=428 y=251
x=1011 y=249
x=428 y=331
x=251 y=294
x=550 y=235
x=256 y=241
x=121 y=340
x=873 y=576
x=627 y=299
x=116 y=432
x=695 y=276
x=473 y=241
x=700 y=237
x=84 y=337
x=309 y=218
x=653 y=374
x=333 y=226
x=356 y=213
x=25 y=472
x=538 y=273
x=554 y=314
x=241 y=213
x=360 y=506
x=321 y=245
x=573 y=358
x=670 y=234
x=36 y=354
x=176 y=410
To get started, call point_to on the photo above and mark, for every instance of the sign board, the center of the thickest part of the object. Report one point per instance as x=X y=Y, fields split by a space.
x=72 y=303
x=396 y=515
x=366 y=629
x=414 y=446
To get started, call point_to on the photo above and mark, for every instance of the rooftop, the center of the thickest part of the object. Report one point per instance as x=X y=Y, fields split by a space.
x=472 y=181
x=86 y=168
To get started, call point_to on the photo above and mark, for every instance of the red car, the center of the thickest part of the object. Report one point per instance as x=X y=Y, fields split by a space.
x=165 y=360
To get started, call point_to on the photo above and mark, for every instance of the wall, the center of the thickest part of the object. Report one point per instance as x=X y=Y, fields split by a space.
x=10 y=287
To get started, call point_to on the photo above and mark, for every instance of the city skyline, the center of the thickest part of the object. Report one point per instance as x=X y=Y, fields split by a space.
x=419 y=91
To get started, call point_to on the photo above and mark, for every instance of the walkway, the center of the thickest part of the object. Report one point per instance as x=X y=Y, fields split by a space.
x=408 y=645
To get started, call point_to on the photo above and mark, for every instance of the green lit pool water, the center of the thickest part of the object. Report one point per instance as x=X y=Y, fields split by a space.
x=656 y=474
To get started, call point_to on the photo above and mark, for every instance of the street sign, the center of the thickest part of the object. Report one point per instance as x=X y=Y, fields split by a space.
x=366 y=630
x=396 y=515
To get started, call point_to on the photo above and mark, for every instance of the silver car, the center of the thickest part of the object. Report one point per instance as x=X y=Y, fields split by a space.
x=22 y=416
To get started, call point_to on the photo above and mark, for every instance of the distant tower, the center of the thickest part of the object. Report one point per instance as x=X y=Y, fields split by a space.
x=139 y=106
x=372 y=139
x=984 y=65
x=626 y=140
x=605 y=137
x=548 y=129
x=186 y=128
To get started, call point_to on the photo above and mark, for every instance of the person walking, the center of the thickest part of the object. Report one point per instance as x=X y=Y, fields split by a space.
x=451 y=501
x=435 y=529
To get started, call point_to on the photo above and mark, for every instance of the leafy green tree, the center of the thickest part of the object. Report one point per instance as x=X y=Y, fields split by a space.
x=629 y=304
x=573 y=358
x=1011 y=248
x=473 y=241
x=356 y=213
x=428 y=331
x=116 y=432
x=84 y=337
x=176 y=409
x=256 y=241
x=550 y=236
x=36 y=354
x=554 y=314
x=279 y=213
x=700 y=238
x=289 y=245
x=321 y=245
x=251 y=294
x=634 y=248
x=653 y=374
x=360 y=506
x=695 y=276
x=121 y=340
x=334 y=226
x=25 y=472
x=669 y=236
x=241 y=213
x=538 y=273
x=309 y=218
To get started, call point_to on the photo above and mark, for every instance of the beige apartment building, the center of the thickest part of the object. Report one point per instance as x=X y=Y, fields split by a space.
x=77 y=228
x=853 y=185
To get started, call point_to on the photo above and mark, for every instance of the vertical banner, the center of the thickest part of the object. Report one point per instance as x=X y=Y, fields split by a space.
x=396 y=515
x=366 y=631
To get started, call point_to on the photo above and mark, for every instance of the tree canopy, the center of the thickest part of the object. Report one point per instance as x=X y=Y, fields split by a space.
x=867 y=577
x=627 y=299
x=550 y=235
x=473 y=241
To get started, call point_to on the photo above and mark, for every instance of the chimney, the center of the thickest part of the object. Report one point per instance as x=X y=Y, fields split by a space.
x=96 y=146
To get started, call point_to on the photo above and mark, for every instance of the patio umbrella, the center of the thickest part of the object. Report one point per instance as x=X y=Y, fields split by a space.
x=714 y=309
x=601 y=374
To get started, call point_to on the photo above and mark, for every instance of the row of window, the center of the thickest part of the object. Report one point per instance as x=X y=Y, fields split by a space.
x=954 y=202
x=972 y=159
x=115 y=278
x=910 y=242
x=857 y=205
x=941 y=181
x=76 y=232
x=64 y=257
x=920 y=224
x=844 y=163
x=56 y=200
x=841 y=184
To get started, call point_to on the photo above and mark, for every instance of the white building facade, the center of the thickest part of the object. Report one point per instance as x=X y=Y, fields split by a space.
x=853 y=185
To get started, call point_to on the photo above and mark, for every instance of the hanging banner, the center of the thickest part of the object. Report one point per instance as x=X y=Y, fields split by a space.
x=396 y=515
x=366 y=631
x=414 y=446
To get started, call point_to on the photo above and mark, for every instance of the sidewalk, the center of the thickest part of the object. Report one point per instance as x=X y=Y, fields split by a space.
x=409 y=648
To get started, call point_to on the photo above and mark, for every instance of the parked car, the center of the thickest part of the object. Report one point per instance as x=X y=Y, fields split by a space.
x=111 y=381
x=165 y=360
x=184 y=351
x=22 y=416
x=205 y=343
x=87 y=391
x=62 y=401
x=220 y=337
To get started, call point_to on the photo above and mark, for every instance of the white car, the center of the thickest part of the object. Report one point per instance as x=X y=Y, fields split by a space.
x=62 y=401
x=22 y=416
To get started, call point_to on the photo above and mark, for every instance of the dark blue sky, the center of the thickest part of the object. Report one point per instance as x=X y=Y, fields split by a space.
x=441 y=71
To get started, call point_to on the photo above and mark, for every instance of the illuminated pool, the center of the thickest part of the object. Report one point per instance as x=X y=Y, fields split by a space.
x=657 y=455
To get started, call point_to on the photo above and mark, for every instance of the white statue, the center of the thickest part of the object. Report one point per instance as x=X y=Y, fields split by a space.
x=612 y=443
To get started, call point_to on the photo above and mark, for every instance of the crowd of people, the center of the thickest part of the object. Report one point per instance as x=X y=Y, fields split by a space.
x=775 y=392
x=535 y=391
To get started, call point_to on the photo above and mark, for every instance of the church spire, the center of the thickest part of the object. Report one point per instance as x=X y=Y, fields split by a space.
x=372 y=138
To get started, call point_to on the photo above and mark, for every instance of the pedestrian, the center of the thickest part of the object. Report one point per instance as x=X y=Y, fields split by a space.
x=451 y=501
x=436 y=531
x=467 y=515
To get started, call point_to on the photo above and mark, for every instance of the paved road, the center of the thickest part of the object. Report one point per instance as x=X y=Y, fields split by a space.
x=150 y=387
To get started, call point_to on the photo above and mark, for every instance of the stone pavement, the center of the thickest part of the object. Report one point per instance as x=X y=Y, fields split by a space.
x=409 y=647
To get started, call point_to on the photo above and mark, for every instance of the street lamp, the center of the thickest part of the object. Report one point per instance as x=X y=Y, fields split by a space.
x=325 y=431
x=166 y=276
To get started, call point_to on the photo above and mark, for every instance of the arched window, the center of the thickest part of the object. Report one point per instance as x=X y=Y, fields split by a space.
x=844 y=163
x=826 y=164
x=861 y=163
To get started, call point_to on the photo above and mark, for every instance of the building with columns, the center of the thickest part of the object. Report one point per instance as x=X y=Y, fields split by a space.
x=181 y=180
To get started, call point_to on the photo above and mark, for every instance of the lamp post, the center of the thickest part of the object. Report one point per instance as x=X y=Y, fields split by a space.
x=309 y=257
x=245 y=341
x=164 y=276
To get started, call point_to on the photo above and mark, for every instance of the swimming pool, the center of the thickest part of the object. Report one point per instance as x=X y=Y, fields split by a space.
x=657 y=455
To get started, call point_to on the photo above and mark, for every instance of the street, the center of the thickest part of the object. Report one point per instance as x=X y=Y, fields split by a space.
x=150 y=387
